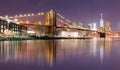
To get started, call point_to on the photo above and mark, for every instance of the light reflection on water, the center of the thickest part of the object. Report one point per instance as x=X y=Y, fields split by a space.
x=59 y=52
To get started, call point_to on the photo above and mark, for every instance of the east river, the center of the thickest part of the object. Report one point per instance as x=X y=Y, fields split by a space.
x=61 y=54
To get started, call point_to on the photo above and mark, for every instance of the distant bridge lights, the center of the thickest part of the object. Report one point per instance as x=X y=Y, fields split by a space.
x=25 y=15
x=28 y=14
x=32 y=14
x=42 y=13
x=20 y=15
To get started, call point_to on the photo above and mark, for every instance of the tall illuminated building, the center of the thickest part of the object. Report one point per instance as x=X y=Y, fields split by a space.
x=101 y=21
x=94 y=26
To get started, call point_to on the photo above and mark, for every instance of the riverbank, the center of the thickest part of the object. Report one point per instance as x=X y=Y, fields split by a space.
x=39 y=38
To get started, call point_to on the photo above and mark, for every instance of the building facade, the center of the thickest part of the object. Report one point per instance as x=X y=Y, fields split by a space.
x=10 y=28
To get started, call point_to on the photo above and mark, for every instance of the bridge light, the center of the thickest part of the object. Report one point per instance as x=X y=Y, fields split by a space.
x=27 y=21
x=32 y=14
x=11 y=17
x=42 y=13
x=20 y=15
x=39 y=13
x=63 y=17
x=58 y=14
x=21 y=21
x=6 y=16
x=51 y=10
x=28 y=15
x=40 y=23
x=25 y=15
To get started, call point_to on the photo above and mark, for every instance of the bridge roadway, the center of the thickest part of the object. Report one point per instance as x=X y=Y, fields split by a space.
x=102 y=34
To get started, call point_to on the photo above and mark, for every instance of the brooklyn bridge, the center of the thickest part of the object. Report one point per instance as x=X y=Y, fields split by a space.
x=51 y=24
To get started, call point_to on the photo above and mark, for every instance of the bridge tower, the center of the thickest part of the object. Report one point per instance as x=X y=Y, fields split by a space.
x=108 y=29
x=51 y=21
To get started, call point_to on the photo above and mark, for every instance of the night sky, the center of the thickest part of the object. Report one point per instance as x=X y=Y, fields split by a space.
x=85 y=11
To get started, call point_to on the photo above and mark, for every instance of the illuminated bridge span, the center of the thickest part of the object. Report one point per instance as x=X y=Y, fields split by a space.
x=53 y=24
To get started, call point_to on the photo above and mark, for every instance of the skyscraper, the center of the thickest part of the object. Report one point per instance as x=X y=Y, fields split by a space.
x=101 y=21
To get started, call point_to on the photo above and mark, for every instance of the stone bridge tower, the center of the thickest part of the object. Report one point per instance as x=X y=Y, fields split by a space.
x=51 y=22
x=108 y=30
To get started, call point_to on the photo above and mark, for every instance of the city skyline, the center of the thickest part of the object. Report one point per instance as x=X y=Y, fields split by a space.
x=79 y=10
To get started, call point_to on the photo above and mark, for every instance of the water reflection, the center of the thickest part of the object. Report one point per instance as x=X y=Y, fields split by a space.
x=52 y=52
x=27 y=52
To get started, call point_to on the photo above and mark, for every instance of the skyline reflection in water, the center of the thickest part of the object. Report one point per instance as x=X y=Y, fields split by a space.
x=62 y=54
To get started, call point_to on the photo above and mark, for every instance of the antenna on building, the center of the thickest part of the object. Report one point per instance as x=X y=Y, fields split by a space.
x=101 y=15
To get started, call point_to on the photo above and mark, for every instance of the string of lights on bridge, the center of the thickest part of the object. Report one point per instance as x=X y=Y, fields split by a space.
x=61 y=19
x=24 y=15
x=16 y=17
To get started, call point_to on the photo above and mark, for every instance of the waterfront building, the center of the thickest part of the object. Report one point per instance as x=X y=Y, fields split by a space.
x=69 y=34
x=11 y=28
x=94 y=26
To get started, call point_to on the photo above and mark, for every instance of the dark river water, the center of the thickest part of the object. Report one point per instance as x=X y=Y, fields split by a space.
x=63 y=54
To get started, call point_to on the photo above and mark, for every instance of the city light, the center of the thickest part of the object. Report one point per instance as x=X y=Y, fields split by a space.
x=40 y=23
x=39 y=13
x=28 y=14
x=21 y=21
x=6 y=16
x=42 y=13
x=69 y=34
x=94 y=26
x=8 y=21
x=27 y=21
x=20 y=15
x=32 y=14
x=25 y=15
x=61 y=21
x=16 y=20
x=30 y=32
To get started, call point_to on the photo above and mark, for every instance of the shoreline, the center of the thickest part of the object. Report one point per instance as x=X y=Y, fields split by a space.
x=39 y=38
